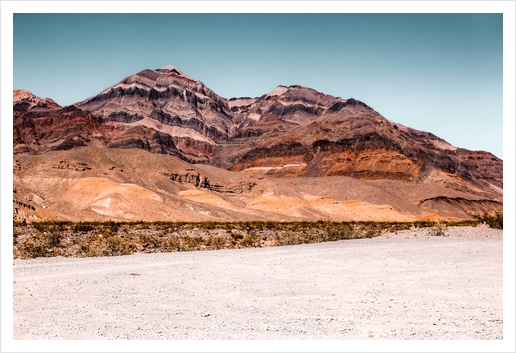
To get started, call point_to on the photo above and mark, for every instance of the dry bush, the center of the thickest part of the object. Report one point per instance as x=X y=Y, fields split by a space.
x=53 y=238
x=189 y=243
x=288 y=238
x=249 y=241
x=439 y=230
x=492 y=219
x=236 y=237
x=215 y=242
x=41 y=244
x=83 y=227
x=101 y=245
x=155 y=241
x=172 y=244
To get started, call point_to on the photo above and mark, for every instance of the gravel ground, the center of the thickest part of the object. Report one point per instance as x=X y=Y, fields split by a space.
x=407 y=286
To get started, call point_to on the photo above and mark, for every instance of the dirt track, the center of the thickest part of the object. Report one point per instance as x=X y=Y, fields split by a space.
x=392 y=287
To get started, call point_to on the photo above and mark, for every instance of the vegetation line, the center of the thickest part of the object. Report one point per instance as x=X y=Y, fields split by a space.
x=86 y=239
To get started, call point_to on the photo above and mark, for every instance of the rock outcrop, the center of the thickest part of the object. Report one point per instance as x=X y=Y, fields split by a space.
x=198 y=180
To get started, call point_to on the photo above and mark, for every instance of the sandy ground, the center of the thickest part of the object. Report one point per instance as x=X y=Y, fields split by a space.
x=399 y=286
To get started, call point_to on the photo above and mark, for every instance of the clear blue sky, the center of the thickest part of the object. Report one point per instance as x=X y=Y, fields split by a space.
x=440 y=73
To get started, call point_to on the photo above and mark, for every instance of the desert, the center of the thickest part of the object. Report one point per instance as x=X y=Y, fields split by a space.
x=159 y=210
x=257 y=176
x=406 y=285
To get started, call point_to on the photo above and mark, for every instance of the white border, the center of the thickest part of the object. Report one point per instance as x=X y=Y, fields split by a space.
x=505 y=7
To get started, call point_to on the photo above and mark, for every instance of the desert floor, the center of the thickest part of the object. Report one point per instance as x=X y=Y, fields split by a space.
x=407 y=285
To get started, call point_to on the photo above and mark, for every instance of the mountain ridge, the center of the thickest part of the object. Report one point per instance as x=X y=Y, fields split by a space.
x=290 y=132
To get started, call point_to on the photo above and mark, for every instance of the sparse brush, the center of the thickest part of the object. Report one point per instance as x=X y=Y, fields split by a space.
x=492 y=219
x=52 y=238
x=208 y=225
x=464 y=223
x=83 y=227
x=41 y=244
x=215 y=242
x=249 y=241
x=236 y=237
x=172 y=244
x=288 y=238
x=153 y=241
x=107 y=246
x=439 y=230
x=188 y=243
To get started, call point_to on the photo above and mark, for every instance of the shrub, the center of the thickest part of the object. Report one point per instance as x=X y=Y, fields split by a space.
x=46 y=244
x=216 y=242
x=99 y=245
x=116 y=246
x=288 y=238
x=83 y=227
x=439 y=230
x=208 y=225
x=172 y=244
x=249 y=241
x=155 y=240
x=236 y=237
x=189 y=243
x=493 y=219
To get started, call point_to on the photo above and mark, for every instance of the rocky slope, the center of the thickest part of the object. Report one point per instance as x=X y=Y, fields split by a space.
x=291 y=137
x=184 y=113
x=132 y=184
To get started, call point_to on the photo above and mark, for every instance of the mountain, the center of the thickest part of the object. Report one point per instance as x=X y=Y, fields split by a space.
x=41 y=125
x=165 y=106
x=25 y=100
x=268 y=149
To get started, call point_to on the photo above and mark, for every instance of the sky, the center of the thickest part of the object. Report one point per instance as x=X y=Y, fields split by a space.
x=440 y=73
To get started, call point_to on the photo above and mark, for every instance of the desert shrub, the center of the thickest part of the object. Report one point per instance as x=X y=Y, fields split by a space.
x=424 y=224
x=111 y=227
x=439 y=230
x=99 y=245
x=172 y=244
x=155 y=240
x=95 y=238
x=215 y=242
x=50 y=226
x=492 y=219
x=83 y=227
x=236 y=237
x=42 y=244
x=371 y=232
x=189 y=243
x=288 y=237
x=208 y=225
x=249 y=241
x=340 y=231
x=116 y=246
x=464 y=223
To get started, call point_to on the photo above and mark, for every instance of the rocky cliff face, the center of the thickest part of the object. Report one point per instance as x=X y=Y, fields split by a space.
x=290 y=132
x=304 y=133
x=42 y=129
x=179 y=109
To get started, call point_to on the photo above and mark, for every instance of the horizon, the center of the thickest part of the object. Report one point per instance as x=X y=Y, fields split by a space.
x=440 y=73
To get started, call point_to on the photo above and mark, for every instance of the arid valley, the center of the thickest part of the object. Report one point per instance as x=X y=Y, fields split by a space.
x=159 y=210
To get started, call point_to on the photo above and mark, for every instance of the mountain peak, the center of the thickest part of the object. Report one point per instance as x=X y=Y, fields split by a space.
x=30 y=100
x=19 y=94
x=174 y=70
